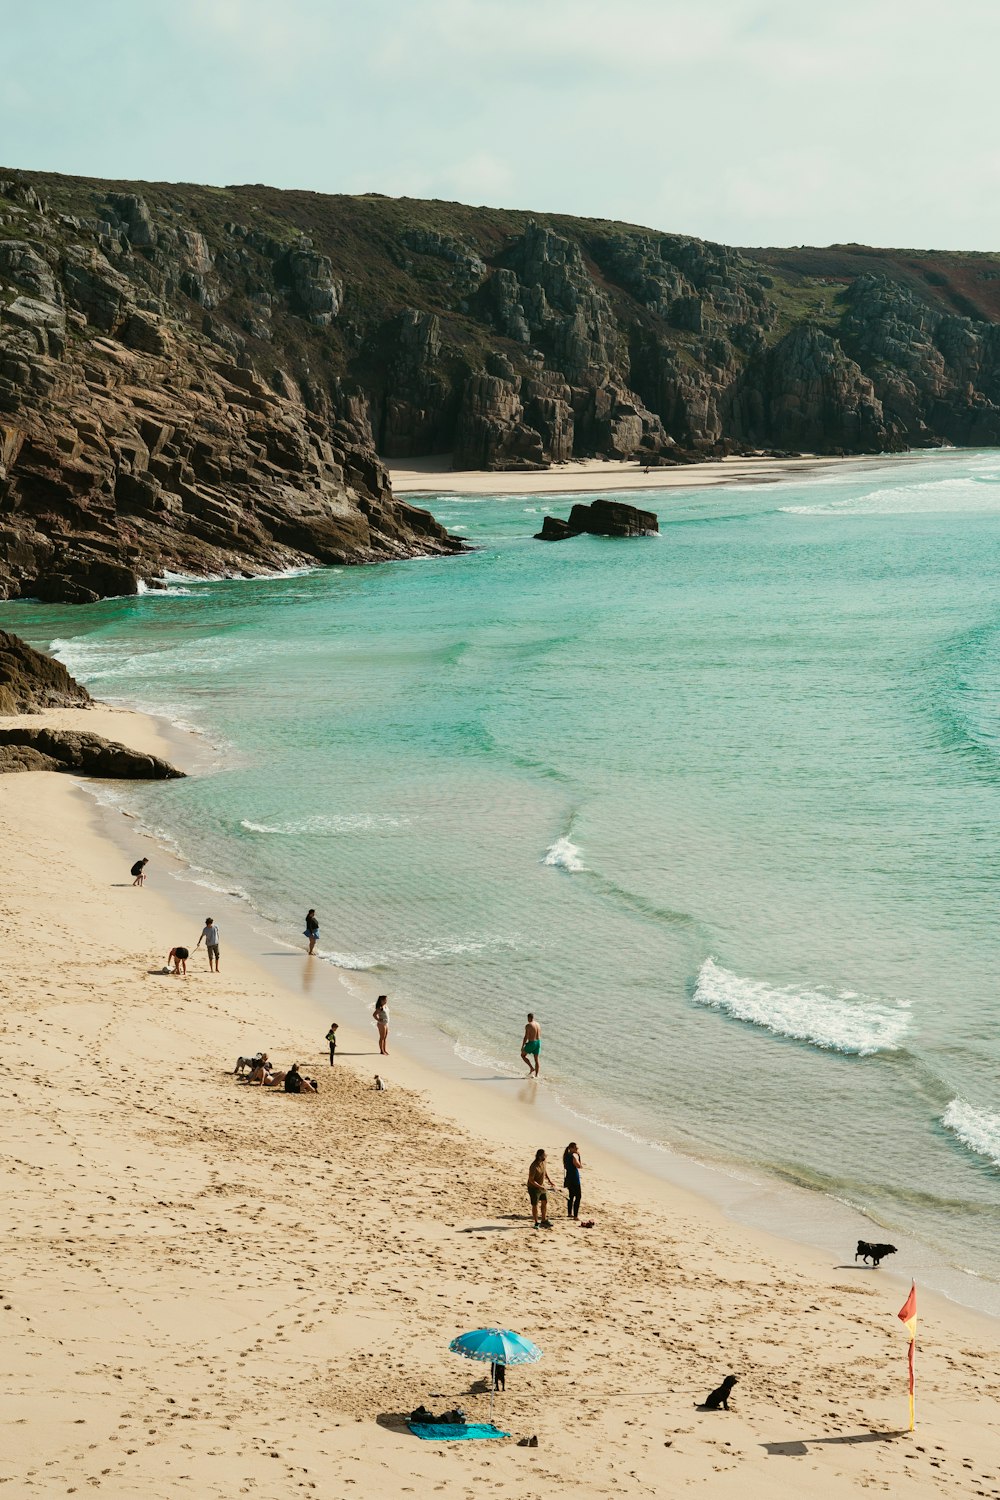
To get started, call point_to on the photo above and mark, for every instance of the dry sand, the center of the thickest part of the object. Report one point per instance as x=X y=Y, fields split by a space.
x=211 y=1290
x=434 y=476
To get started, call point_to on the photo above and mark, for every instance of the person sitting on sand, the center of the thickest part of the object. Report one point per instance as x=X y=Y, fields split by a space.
x=139 y=871
x=296 y=1084
x=262 y=1072
x=179 y=957
x=538 y=1178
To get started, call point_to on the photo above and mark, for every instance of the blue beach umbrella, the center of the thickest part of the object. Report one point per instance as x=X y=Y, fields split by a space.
x=500 y=1346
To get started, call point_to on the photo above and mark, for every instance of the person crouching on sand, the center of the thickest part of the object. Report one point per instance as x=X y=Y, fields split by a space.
x=179 y=958
x=138 y=870
x=538 y=1180
x=531 y=1046
x=382 y=1022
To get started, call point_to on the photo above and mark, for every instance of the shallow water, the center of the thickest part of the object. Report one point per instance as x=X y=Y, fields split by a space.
x=721 y=807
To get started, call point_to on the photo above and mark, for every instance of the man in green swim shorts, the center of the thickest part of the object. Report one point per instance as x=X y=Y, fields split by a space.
x=532 y=1045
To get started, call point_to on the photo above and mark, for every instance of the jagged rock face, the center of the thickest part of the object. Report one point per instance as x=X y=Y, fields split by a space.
x=130 y=316
x=130 y=444
x=600 y=518
x=31 y=681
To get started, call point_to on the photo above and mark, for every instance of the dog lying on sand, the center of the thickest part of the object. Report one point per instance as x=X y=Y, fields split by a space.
x=719 y=1397
x=875 y=1253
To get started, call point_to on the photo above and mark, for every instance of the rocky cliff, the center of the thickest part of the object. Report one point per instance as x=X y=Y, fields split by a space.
x=201 y=379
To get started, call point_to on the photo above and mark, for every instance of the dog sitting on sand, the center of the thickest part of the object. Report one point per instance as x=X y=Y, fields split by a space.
x=719 y=1397
x=379 y=1084
x=873 y=1252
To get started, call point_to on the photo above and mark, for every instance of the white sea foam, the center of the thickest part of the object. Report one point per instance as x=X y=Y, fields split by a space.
x=564 y=855
x=328 y=823
x=954 y=495
x=860 y=1025
x=979 y=1129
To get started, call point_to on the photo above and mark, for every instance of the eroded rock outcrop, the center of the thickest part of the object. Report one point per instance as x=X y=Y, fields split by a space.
x=31 y=749
x=31 y=681
x=600 y=518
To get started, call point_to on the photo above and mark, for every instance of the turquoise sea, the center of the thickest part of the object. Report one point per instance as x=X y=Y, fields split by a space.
x=721 y=806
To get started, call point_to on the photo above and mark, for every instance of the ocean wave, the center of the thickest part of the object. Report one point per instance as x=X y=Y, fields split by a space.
x=859 y=1026
x=328 y=823
x=564 y=855
x=952 y=495
x=978 y=1129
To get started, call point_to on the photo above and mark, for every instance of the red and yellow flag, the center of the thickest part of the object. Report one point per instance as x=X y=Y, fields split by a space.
x=908 y=1317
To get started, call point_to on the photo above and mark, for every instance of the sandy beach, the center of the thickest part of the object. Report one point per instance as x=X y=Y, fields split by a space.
x=433 y=476
x=213 y=1290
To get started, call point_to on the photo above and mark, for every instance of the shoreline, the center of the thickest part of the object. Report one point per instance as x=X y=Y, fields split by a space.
x=432 y=476
x=746 y=1196
x=265 y=1265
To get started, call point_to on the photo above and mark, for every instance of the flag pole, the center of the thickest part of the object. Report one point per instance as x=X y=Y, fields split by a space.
x=908 y=1317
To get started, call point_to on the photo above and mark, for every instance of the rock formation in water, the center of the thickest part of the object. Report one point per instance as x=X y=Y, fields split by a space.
x=600 y=518
x=30 y=680
x=201 y=379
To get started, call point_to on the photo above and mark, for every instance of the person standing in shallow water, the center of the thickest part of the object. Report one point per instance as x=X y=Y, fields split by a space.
x=312 y=929
x=382 y=1022
x=331 y=1038
x=571 y=1179
x=532 y=1044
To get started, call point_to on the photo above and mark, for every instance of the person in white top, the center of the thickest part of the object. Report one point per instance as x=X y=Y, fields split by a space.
x=210 y=936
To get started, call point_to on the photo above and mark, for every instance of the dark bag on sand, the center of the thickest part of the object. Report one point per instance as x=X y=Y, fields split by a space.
x=421 y=1415
x=455 y=1417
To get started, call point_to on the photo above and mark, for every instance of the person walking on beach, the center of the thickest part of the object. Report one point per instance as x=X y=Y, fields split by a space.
x=312 y=929
x=538 y=1179
x=138 y=870
x=382 y=1022
x=210 y=933
x=571 y=1179
x=331 y=1038
x=179 y=958
x=532 y=1044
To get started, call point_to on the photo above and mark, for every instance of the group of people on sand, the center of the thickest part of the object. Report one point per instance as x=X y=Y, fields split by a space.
x=539 y=1182
x=262 y=1072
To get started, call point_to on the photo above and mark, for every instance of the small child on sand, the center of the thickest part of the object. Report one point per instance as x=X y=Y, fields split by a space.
x=331 y=1038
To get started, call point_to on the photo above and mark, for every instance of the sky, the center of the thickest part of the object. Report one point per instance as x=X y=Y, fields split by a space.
x=753 y=122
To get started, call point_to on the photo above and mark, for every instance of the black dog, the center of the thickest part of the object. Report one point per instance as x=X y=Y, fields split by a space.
x=720 y=1396
x=875 y=1253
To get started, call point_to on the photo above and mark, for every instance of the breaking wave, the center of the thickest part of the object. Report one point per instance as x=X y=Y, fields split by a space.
x=843 y=1022
x=978 y=1129
x=564 y=855
x=325 y=824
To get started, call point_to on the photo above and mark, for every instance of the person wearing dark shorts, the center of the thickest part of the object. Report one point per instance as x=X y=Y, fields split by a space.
x=331 y=1038
x=138 y=871
x=210 y=935
x=538 y=1180
x=179 y=958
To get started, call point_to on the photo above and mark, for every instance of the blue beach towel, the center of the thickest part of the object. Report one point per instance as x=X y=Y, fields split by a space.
x=453 y=1432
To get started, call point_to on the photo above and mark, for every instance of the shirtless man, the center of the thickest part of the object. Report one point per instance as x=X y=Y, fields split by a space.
x=532 y=1044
